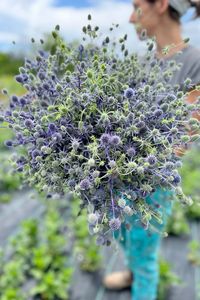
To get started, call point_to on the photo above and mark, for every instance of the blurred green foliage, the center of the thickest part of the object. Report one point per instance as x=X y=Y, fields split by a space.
x=5 y=134
x=37 y=253
x=8 y=82
x=9 y=64
x=167 y=279
x=9 y=67
x=190 y=173
x=9 y=181
x=194 y=252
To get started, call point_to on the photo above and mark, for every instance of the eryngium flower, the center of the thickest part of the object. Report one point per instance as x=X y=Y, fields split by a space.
x=84 y=184
x=151 y=160
x=115 y=140
x=9 y=143
x=36 y=153
x=131 y=152
x=121 y=202
x=129 y=93
x=52 y=127
x=92 y=219
x=128 y=210
x=105 y=139
x=29 y=123
x=115 y=224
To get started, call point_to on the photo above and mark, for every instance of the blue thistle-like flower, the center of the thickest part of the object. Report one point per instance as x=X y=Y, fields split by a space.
x=19 y=78
x=133 y=195
x=169 y=165
x=46 y=86
x=63 y=122
x=130 y=117
x=131 y=152
x=71 y=183
x=95 y=174
x=8 y=143
x=4 y=91
x=93 y=218
x=29 y=123
x=128 y=210
x=52 y=127
x=84 y=184
x=115 y=140
x=11 y=105
x=158 y=113
x=81 y=48
x=140 y=124
x=164 y=107
x=75 y=144
x=151 y=160
x=57 y=137
x=171 y=97
x=19 y=136
x=177 y=179
x=41 y=75
x=14 y=99
x=22 y=101
x=105 y=139
x=179 y=164
x=114 y=224
x=122 y=202
x=112 y=163
x=8 y=113
x=129 y=93
x=41 y=53
x=35 y=153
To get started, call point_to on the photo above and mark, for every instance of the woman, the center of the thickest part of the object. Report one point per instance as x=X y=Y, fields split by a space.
x=160 y=19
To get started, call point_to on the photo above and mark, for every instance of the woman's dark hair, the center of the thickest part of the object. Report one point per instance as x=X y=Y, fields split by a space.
x=174 y=14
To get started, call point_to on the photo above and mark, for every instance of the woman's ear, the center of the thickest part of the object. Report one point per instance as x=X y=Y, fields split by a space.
x=162 y=6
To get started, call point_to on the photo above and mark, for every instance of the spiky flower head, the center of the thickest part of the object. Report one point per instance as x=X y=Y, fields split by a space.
x=85 y=184
x=128 y=210
x=129 y=93
x=131 y=152
x=92 y=218
x=121 y=202
x=115 y=140
x=105 y=139
x=115 y=224
x=151 y=159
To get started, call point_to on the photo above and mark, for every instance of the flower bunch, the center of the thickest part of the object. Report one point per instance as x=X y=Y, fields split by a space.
x=101 y=124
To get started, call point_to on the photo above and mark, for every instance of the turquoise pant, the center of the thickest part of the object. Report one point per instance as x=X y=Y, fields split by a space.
x=141 y=247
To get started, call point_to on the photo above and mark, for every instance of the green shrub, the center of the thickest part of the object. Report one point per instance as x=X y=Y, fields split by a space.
x=9 y=64
x=167 y=279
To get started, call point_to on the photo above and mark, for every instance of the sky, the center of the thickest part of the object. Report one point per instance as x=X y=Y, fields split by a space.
x=22 y=19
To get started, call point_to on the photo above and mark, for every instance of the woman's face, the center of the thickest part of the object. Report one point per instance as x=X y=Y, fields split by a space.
x=144 y=16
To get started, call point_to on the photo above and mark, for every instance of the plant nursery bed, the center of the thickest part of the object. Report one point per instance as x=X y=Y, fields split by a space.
x=21 y=207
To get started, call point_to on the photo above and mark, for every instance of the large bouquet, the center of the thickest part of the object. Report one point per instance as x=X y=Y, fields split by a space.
x=103 y=124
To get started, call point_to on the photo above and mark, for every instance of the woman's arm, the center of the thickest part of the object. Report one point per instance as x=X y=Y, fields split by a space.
x=191 y=98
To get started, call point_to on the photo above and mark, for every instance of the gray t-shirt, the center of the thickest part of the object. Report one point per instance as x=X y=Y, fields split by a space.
x=189 y=58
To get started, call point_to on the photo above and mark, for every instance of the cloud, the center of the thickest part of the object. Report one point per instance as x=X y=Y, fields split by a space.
x=25 y=19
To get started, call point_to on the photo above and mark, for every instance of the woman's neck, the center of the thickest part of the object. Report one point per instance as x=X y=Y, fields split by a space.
x=168 y=39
